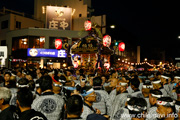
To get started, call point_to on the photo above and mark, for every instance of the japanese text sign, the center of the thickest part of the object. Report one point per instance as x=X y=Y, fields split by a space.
x=34 y=52
x=58 y=18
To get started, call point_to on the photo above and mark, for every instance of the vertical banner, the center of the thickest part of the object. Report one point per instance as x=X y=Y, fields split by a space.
x=58 y=18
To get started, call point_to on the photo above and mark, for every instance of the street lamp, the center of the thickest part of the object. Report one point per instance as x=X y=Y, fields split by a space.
x=145 y=59
x=178 y=37
x=112 y=26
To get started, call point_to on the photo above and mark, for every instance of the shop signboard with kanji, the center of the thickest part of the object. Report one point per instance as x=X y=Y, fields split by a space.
x=58 y=18
x=37 y=52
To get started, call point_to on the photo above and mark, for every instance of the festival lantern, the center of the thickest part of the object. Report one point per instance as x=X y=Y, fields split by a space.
x=75 y=64
x=87 y=25
x=107 y=40
x=121 y=46
x=58 y=44
x=107 y=65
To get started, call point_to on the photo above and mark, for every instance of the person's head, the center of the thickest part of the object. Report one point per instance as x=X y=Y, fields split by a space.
x=97 y=81
x=89 y=94
x=23 y=83
x=12 y=82
x=113 y=82
x=57 y=87
x=19 y=72
x=29 y=77
x=137 y=107
x=83 y=81
x=158 y=75
x=77 y=72
x=103 y=79
x=82 y=76
x=122 y=86
x=146 y=89
x=74 y=105
x=154 y=95
x=114 y=74
x=45 y=83
x=31 y=85
x=156 y=83
x=165 y=107
x=5 y=96
x=7 y=76
x=24 y=98
x=38 y=71
x=134 y=83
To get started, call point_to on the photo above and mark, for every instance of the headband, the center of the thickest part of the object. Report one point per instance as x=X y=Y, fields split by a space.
x=123 y=84
x=177 y=77
x=62 y=81
x=164 y=103
x=164 y=77
x=22 y=86
x=13 y=74
x=70 y=88
x=151 y=76
x=142 y=77
x=157 y=96
x=156 y=82
x=136 y=108
x=147 y=86
x=57 y=85
x=88 y=92
x=23 y=73
x=37 y=85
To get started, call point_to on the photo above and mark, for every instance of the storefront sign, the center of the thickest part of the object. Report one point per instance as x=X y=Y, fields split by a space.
x=3 y=52
x=107 y=41
x=36 y=52
x=58 y=44
x=58 y=17
x=121 y=46
x=87 y=25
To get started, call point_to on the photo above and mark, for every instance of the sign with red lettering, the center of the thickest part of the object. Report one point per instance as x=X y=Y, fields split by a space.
x=58 y=44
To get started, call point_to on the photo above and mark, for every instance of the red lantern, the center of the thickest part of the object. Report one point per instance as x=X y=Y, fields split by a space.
x=121 y=46
x=58 y=44
x=107 y=65
x=87 y=25
x=107 y=40
x=75 y=64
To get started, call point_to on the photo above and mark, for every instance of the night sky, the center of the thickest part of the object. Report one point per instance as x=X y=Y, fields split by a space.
x=151 y=24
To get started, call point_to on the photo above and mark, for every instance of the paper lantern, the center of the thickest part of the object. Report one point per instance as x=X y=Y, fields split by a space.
x=121 y=46
x=58 y=44
x=107 y=40
x=107 y=65
x=75 y=64
x=87 y=25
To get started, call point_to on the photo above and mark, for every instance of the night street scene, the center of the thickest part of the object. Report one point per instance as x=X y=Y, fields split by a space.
x=89 y=60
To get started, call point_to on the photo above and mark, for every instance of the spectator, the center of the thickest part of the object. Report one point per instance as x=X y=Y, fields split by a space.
x=74 y=107
x=24 y=101
x=7 y=76
x=8 y=112
x=48 y=103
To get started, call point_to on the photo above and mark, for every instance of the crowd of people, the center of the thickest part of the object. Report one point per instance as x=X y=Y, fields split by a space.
x=41 y=94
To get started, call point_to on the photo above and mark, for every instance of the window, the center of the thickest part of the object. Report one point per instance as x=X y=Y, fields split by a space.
x=80 y=15
x=4 y=24
x=18 y=24
x=3 y=42
x=19 y=43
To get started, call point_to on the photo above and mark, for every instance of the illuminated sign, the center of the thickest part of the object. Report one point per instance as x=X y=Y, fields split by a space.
x=58 y=44
x=87 y=25
x=36 y=52
x=3 y=52
x=107 y=41
x=121 y=46
x=58 y=17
